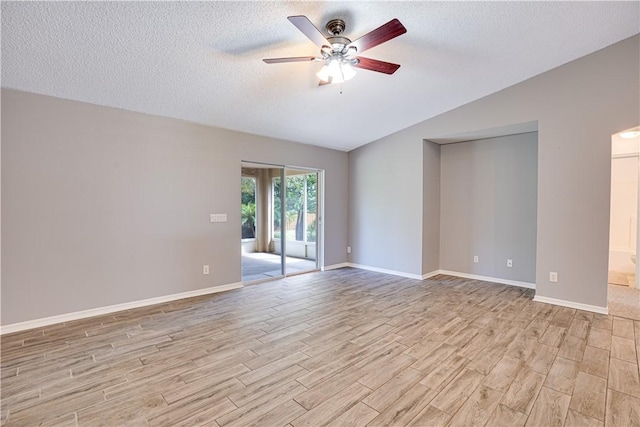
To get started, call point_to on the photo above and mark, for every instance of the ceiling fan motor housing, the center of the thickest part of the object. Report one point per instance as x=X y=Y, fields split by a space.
x=338 y=43
x=335 y=27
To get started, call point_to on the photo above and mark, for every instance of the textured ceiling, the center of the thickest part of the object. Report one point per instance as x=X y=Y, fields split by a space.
x=201 y=61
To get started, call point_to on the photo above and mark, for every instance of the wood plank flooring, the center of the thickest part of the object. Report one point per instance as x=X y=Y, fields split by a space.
x=338 y=348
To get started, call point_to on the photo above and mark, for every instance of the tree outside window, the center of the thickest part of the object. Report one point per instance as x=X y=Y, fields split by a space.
x=248 y=188
x=300 y=209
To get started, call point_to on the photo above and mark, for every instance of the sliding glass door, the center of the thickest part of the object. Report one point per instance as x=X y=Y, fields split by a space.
x=280 y=221
x=301 y=221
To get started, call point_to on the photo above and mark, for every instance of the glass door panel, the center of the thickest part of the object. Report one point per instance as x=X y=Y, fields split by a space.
x=261 y=208
x=276 y=215
x=300 y=222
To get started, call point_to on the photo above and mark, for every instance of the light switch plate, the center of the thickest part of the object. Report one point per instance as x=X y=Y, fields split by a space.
x=218 y=218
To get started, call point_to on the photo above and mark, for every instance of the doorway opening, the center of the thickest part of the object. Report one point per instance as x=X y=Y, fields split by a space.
x=281 y=221
x=624 y=232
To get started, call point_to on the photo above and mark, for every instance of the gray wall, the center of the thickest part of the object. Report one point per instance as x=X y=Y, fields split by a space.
x=103 y=206
x=578 y=107
x=431 y=207
x=385 y=226
x=488 y=207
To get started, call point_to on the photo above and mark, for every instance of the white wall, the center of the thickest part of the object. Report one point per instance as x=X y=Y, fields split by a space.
x=624 y=213
x=578 y=106
x=103 y=206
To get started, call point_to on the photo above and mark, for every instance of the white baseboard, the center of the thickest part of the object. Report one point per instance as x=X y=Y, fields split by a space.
x=385 y=271
x=489 y=279
x=436 y=272
x=571 y=304
x=430 y=275
x=335 y=266
x=61 y=318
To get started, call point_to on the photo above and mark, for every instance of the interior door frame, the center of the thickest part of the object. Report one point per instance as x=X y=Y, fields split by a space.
x=637 y=284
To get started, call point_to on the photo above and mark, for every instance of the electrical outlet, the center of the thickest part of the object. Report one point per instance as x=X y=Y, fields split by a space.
x=509 y=263
x=348 y=249
x=205 y=269
x=553 y=276
x=475 y=258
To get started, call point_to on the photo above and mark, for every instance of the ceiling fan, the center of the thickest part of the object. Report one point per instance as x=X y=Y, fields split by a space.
x=339 y=53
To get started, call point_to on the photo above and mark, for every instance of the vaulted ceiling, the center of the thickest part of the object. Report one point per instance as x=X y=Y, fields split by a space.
x=202 y=61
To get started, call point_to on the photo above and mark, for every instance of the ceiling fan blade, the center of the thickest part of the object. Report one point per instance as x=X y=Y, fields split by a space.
x=388 y=31
x=308 y=29
x=376 y=65
x=293 y=59
x=322 y=83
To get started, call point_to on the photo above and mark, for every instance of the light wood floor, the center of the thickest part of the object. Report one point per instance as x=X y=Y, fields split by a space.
x=345 y=347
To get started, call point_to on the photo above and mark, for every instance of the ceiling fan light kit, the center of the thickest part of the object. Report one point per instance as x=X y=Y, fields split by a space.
x=339 y=53
x=336 y=72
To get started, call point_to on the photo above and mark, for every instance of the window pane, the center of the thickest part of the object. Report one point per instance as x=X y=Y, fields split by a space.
x=248 y=188
x=295 y=207
x=312 y=209
x=277 y=207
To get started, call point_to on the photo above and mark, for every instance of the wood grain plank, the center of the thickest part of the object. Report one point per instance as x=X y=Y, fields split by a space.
x=553 y=336
x=623 y=349
x=622 y=410
x=573 y=348
x=407 y=407
x=393 y=389
x=503 y=416
x=331 y=408
x=600 y=338
x=579 y=328
x=524 y=390
x=319 y=393
x=280 y=415
x=550 y=409
x=623 y=328
x=589 y=396
x=595 y=361
x=562 y=375
x=431 y=417
x=453 y=396
x=576 y=419
x=358 y=416
x=478 y=407
x=438 y=378
x=503 y=374
x=257 y=408
x=623 y=377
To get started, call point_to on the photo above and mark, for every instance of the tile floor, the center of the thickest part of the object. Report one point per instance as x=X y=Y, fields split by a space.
x=343 y=347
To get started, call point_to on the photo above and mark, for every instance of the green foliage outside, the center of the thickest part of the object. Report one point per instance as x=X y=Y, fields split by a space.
x=248 y=188
x=295 y=205
x=248 y=207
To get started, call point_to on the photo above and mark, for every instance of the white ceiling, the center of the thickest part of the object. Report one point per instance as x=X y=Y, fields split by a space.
x=202 y=61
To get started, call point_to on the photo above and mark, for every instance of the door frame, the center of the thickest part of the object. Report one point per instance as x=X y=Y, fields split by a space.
x=319 y=216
